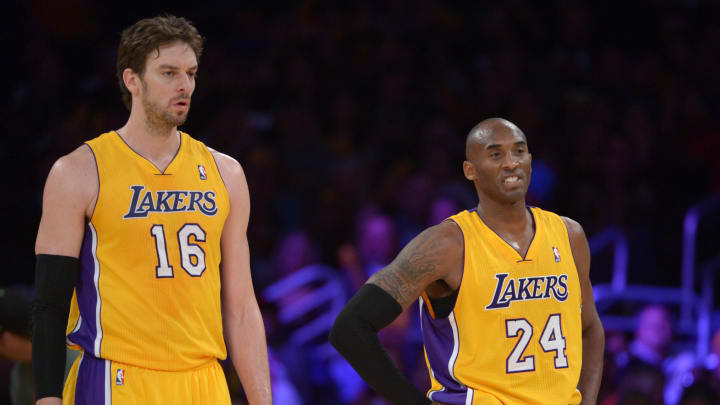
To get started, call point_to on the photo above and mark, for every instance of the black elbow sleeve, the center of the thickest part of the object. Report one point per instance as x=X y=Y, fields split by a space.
x=372 y=306
x=354 y=335
x=54 y=283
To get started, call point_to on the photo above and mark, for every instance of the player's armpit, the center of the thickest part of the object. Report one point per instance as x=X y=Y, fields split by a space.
x=433 y=255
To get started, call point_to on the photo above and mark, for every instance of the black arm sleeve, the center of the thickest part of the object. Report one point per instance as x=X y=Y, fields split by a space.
x=54 y=282
x=354 y=335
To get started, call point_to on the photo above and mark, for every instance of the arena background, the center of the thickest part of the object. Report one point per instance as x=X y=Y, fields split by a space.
x=349 y=119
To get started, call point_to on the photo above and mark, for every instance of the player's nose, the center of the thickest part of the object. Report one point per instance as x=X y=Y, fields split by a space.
x=185 y=84
x=510 y=162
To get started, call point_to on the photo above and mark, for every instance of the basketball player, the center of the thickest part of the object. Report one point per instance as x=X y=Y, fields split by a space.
x=137 y=222
x=507 y=310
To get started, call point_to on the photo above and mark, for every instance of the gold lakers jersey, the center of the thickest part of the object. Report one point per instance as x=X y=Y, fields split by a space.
x=514 y=336
x=148 y=293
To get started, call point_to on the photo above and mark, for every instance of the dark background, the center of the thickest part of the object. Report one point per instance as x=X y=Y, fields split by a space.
x=343 y=111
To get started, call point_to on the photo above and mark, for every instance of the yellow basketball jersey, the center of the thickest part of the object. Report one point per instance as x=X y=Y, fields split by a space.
x=148 y=293
x=514 y=336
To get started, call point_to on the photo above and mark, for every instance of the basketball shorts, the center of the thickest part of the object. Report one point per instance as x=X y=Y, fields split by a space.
x=94 y=381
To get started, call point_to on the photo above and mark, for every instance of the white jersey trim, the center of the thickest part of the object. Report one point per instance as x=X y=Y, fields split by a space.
x=108 y=396
x=96 y=282
x=456 y=347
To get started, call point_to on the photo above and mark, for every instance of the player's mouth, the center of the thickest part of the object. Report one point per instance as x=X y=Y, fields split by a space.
x=512 y=181
x=183 y=104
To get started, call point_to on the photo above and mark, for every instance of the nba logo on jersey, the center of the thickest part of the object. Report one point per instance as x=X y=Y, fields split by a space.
x=120 y=377
x=556 y=253
x=203 y=173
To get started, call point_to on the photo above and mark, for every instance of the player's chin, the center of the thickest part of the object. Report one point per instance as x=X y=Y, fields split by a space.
x=179 y=119
x=514 y=195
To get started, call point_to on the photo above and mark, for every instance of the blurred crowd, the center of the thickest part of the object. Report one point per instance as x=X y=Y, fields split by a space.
x=349 y=119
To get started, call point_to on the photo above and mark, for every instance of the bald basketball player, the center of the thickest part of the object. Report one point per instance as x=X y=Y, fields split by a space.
x=507 y=309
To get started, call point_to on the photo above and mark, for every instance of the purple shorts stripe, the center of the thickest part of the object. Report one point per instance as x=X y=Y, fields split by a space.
x=440 y=346
x=87 y=296
x=93 y=384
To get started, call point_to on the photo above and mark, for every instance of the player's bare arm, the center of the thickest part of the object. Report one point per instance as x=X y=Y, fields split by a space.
x=244 y=330
x=592 y=329
x=68 y=200
x=432 y=261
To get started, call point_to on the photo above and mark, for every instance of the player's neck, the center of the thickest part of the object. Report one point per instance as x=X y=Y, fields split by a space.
x=511 y=217
x=158 y=145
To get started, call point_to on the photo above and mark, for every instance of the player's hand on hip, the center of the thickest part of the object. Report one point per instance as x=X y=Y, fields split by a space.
x=49 y=401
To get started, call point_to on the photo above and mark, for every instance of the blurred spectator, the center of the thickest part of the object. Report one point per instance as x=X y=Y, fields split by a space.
x=441 y=209
x=615 y=357
x=653 y=337
x=640 y=385
x=294 y=251
x=375 y=246
x=15 y=343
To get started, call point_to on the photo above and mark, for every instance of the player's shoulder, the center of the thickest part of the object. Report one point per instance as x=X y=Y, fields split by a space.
x=573 y=227
x=446 y=234
x=226 y=163
x=74 y=176
x=231 y=172
x=78 y=164
x=576 y=237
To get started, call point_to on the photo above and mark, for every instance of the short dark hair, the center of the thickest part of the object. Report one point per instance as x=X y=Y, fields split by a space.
x=147 y=35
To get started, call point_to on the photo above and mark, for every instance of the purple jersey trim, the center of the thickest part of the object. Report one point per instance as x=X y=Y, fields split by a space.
x=89 y=333
x=442 y=345
x=523 y=257
x=217 y=167
x=177 y=152
x=93 y=381
x=97 y=171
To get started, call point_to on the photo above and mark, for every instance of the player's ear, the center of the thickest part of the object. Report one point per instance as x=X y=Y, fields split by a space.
x=469 y=171
x=132 y=81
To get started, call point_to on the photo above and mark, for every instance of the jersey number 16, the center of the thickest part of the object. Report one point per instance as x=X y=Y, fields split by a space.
x=192 y=256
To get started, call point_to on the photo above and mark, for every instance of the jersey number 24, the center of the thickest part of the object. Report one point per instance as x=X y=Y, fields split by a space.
x=551 y=339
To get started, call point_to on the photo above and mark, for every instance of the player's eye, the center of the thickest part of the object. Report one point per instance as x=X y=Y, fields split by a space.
x=168 y=73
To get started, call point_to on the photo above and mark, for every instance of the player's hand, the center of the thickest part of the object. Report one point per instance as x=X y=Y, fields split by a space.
x=49 y=401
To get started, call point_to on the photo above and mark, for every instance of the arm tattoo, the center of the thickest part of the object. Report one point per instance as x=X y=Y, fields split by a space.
x=421 y=262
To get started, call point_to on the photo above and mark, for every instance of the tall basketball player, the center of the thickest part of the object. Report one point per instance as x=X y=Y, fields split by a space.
x=145 y=224
x=507 y=309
